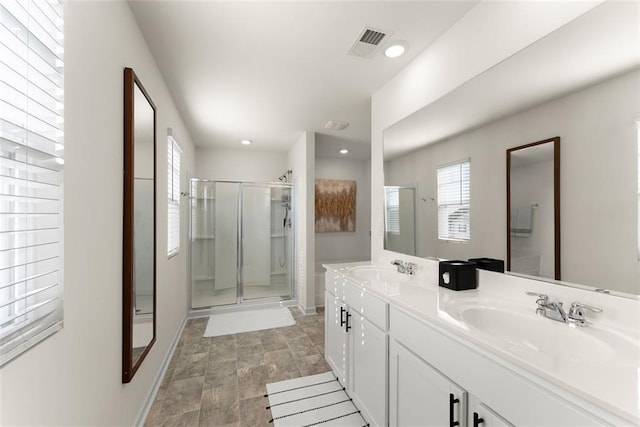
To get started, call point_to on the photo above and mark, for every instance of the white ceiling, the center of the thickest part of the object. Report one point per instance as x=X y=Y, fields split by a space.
x=268 y=71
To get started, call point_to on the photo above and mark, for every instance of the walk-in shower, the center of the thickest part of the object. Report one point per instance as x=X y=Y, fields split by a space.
x=241 y=237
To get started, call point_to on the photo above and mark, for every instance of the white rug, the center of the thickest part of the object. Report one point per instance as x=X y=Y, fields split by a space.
x=313 y=400
x=246 y=321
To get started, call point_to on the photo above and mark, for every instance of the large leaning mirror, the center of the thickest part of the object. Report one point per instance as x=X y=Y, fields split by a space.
x=533 y=209
x=578 y=84
x=139 y=272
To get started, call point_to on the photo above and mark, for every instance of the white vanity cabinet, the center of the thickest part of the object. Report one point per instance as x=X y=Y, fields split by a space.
x=419 y=395
x=356 y=344
x=335 y=347
x=481 y=415
x=495 y=393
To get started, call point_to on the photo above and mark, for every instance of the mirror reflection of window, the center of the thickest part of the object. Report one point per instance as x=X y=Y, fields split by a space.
x=400 y=219
x=454 y=207
x=392 y=214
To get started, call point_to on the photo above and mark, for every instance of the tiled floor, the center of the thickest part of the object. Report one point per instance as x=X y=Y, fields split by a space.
x=220 y=381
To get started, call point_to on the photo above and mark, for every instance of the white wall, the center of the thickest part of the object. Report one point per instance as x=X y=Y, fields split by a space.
x=74 y=377
x=353 y=246
x=488 y=34
x=300 y=159
x=240 y=165
x=598 y=181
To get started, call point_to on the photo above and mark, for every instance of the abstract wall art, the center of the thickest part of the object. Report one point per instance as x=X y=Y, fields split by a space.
x=335 y=206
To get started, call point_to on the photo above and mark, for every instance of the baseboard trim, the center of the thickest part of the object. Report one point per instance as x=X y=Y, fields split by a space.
x=151 y=397
x=308 y=310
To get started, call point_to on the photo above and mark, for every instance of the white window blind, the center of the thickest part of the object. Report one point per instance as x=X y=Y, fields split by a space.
x=392 y=206
x=31 y=159
x=173 y=192
x=454 y=201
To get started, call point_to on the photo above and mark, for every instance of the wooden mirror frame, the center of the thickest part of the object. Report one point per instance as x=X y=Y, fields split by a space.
x=129 y=368
x=556 y=200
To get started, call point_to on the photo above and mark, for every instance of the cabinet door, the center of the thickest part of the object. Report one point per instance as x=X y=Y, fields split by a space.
x=481 y=415
x=419 y=395
x=335 y=338
x=368 y=365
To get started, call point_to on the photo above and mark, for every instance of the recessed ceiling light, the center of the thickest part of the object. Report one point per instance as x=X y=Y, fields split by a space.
x=246 y=142
x=344 y=151
x=336 y=125
x=395 y=49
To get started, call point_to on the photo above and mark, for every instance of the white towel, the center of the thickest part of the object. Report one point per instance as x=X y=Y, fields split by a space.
x=522 y=221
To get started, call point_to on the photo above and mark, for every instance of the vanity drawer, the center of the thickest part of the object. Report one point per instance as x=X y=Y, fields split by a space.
x=361 y=301
x=334 y=284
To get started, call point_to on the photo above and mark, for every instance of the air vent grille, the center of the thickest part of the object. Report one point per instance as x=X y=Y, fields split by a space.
x=368 y=42
x=372 y=37
x=336 y=125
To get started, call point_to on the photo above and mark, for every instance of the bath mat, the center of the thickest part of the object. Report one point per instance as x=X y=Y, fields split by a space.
x=310 y=401
x=248 y=320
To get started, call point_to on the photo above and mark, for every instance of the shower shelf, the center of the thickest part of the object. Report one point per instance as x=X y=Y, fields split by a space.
x=204 y=237
x=201 y=278
x=278 y=273
x=277 y=235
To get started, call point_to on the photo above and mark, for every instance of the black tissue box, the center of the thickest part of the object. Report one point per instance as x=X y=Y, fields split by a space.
x=458 y=275
x=490 y=264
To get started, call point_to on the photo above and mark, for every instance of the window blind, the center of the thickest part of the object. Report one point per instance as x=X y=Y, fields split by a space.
x=31 y=163
x=392 y=205
x=454 y=201
x=173 y=192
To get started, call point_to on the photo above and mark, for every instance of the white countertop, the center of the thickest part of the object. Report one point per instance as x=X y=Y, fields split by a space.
x=613 y=385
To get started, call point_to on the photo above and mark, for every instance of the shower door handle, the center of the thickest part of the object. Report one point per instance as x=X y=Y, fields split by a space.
x=347 y=326
x=342 y=312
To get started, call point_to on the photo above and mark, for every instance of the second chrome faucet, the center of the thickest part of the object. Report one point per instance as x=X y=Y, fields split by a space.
x=555 y=310
x=405 y=267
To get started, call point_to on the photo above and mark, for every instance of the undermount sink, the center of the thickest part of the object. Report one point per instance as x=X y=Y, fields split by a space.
x=378 y=274
x=526 y=333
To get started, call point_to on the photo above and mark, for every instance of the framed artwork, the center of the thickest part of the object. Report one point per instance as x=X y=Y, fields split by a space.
x=335 y=206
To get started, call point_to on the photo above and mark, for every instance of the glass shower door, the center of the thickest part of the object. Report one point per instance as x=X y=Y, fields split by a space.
x=241 y=242
x=266 y=246
x=214 y=243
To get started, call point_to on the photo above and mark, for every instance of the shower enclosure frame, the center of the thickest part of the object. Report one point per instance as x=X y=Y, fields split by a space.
x=240 y=299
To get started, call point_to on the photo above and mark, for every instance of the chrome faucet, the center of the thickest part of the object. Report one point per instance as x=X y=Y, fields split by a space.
x=552 y=310
x=576 y=314
x=399 y=264
x=555 y=310
x=411 y=268
x=405 y=267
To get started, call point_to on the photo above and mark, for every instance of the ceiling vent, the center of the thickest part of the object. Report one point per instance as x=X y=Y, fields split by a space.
x=368 y=42
x=336 y=125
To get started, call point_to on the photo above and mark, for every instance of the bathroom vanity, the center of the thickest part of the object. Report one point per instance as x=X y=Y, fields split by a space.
x=411 y=353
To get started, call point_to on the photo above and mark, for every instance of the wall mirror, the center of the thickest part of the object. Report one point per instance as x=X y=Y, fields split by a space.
x=558 y=86
x=139 y=240
x=533 y=209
